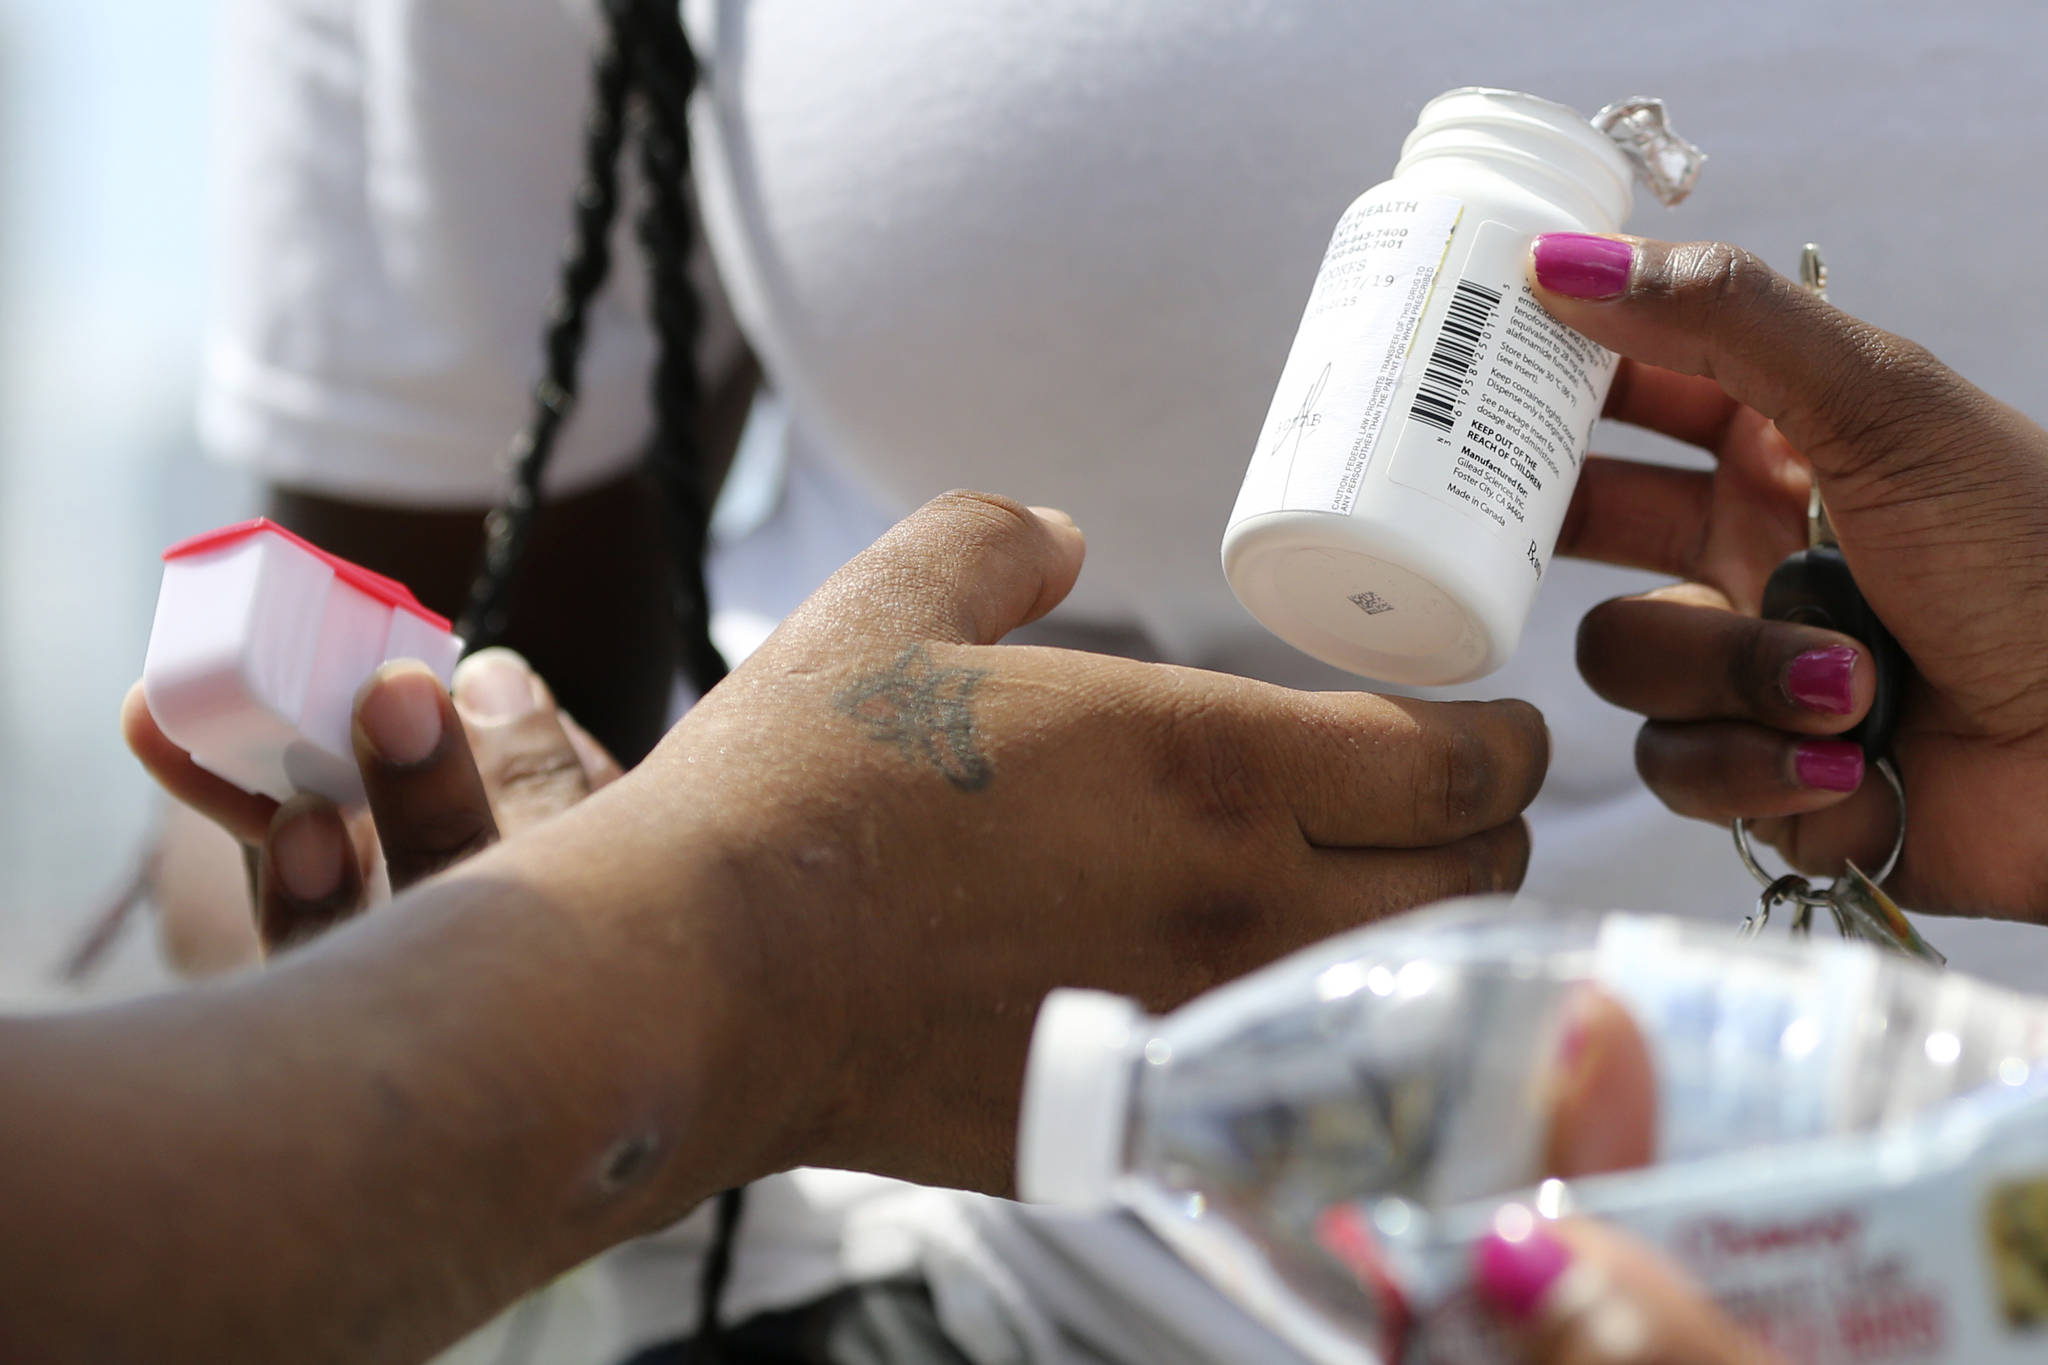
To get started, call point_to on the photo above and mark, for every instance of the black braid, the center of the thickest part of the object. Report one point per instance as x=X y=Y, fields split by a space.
x=664 y=71
x=643 y=64
x=665 y=74
x=508 y=529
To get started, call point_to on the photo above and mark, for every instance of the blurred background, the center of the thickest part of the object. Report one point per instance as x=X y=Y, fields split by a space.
x=103 y=230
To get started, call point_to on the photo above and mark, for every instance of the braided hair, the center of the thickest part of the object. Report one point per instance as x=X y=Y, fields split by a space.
x=642 y=76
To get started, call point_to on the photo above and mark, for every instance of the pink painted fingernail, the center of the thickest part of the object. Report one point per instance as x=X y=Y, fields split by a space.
x=1829 y=765
x=1515 y=1264
x=1581 y=266
x=401 y=717
x=1820 y=680
x=307 y=853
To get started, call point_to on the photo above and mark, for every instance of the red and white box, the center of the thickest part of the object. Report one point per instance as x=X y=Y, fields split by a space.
x=260 y=644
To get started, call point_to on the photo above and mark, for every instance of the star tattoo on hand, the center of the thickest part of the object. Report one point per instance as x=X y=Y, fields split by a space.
x=926 y=712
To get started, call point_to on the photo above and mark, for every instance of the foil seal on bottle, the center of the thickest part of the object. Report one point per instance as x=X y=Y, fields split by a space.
x=1665 y=162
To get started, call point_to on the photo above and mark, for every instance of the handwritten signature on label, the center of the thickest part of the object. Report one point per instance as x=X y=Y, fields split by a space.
x=1305 y=419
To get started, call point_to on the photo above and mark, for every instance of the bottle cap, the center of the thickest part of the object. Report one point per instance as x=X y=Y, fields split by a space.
x=1077 y=1095
x=1665 y=162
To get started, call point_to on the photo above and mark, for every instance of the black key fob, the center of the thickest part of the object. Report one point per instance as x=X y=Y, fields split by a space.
x=1814 y=587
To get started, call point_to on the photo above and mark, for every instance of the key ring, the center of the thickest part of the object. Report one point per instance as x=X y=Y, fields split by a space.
x=1790 y=887
x=1816 y=586
x=1810 y=898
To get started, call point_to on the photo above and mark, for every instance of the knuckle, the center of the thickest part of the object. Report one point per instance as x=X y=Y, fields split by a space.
x=1681 y=767
x=1461 y=774
x=439 y=839
x=1207 y=766
x=1528 y=746
x=541 y=776
x=1711 y=278
x=1754 y=675
x=1652 y=759
x=1732 y=277
x=1601 y=631
x=1477 y=865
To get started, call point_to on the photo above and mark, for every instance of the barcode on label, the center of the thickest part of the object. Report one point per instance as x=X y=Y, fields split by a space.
x=1457 y=350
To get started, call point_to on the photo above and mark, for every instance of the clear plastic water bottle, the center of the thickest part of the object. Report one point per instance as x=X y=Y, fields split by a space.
x=1403 y=1067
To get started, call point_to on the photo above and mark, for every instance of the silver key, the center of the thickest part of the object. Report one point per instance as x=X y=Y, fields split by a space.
x=1862 y=910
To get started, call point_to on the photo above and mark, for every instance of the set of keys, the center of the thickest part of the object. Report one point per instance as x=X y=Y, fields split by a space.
x=1814 y=587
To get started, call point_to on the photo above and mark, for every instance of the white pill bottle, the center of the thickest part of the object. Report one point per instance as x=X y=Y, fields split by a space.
x=1409 y=483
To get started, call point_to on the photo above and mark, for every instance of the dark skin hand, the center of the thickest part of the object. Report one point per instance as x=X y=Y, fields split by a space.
x=590 y=606
x=1939 y=496
x=598 y=605
x=1244 y=815
x=812 y=928
x=505 y=758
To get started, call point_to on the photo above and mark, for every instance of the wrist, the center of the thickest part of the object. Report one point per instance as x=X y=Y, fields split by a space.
x=694 y=993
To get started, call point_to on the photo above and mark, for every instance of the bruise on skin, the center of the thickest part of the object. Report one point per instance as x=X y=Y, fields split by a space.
x=627 y=1162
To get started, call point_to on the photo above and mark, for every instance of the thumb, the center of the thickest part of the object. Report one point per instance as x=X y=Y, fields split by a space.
x=530 y=763
x=967 y=568
x=1897 y=439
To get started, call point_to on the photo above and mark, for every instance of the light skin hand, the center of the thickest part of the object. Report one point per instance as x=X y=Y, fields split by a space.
x=1939 y=496
x=1576 y=1292
x=1580 y=1293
